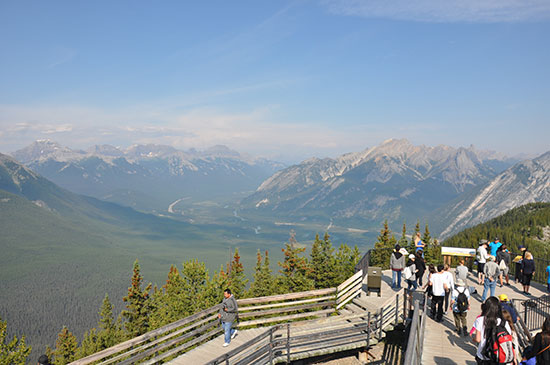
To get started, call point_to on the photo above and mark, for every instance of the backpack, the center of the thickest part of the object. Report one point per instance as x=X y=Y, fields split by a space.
x=407 y=273
x=499 y=347
x=462 y=302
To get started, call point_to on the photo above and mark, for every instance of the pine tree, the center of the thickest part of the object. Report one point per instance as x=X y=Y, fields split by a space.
x=403 y=241
x=65 y=347
x=169 y=303
x=14 y=351
x=213 y=293
x=195 y=281
x=383 y=247
x=263 y=279
x=138 y=305
x=294 y=268
x=412 y=246
x=323 y=265
x=346 y=259
x=236 y=278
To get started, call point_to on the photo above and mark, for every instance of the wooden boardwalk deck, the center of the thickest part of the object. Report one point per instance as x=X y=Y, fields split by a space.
x=443 y=346
x=213 y=349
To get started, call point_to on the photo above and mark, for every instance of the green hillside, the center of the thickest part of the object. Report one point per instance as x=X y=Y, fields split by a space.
x=528 y=225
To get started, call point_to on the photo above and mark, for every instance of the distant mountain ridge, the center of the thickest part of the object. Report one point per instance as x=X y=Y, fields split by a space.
x=526 y=182
x=126 y=176
x=394 y=180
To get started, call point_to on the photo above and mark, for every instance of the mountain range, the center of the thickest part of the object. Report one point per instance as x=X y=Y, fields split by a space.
x=395 y=180
x=126 y=176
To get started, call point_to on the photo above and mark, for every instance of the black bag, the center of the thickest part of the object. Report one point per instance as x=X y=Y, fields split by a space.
x=462 y=302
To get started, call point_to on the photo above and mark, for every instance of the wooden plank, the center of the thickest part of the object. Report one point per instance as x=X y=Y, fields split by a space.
x=289 y=296
x=284 y=310
x=349 y=288
x=349 y=296
x=284 y=304
x=354 y=277
x=285 y=318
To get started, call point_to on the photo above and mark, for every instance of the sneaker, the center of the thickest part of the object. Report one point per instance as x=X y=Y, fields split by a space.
x=465 y=331
x=225 y=344
x=234 y=334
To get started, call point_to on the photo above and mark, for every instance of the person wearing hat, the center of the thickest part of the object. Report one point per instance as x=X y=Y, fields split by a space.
x=411 y=268
x=481 y=260
x=519 y=273
x=460 y=305
x=495 y=245
x=491 y=272
x=397 y=264
x=506 y=305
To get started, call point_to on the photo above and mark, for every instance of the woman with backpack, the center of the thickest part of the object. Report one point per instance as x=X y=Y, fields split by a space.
x=541 y=344
x=493 y=335
x=460 y=303
x=410 y=272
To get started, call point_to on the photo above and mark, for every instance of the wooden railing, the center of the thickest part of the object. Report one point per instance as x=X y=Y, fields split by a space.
x=413 y=354
x=185 y=334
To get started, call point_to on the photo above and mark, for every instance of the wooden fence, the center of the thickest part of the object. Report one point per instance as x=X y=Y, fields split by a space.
x=181 y=336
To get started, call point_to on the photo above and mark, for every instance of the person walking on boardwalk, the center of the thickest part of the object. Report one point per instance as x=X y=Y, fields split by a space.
x=228 y=316
x=484 y=325
x=527 y=271
x=503 y=261
x=460 y=303
x=439 y=286
x=491 y=273
x=461 y=271
x=397 y=264
x=420 y=266
x=481 y=260
x=410 y=273
x=449 y=280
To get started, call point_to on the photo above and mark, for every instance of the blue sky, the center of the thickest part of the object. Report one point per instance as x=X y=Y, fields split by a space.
x=287 y=80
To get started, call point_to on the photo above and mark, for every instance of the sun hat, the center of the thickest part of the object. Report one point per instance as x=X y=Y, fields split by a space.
x=503 y=297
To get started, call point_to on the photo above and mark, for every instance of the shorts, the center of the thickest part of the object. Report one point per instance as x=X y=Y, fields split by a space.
x=505 y=271
x=480 y=267
x=527 y=279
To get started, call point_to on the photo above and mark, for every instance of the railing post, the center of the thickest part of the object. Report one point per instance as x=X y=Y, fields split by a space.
x=381 y=322
x=226 y=360
x=368 y=330
x=271 y=347
x=404 y=305
x=288 y=343
x=396 y=309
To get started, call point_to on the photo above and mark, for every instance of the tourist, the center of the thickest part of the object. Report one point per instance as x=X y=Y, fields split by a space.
x=418 y=244
x=491 y=316
x=439 y=287
x=397 y=264
x=460 y=305
x=548 y=279
x=506 y=305
x=508 y=318
x=519 y=276
x=449 y=280
x=411 y=272
x=527 y=271
x=461 y=271
x=420 y=266
x=541 y=344
x=503 y=261
x=494 y=246
x=491 y=272
x=228 y=315
x=428 y=286
x=481 y=260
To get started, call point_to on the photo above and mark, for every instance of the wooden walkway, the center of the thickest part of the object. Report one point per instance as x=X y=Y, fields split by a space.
x=443 y=346
x=213 y=349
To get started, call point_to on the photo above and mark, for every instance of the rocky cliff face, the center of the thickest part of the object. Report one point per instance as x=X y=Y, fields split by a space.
x=525 y=182
x=394 y=180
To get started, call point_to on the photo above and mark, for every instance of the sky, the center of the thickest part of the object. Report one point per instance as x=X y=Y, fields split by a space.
x=286 y=80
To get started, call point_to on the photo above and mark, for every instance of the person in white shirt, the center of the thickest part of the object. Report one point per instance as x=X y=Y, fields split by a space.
x=450 y=281
x=439 y=285
x=481 y=260
x=491 y=316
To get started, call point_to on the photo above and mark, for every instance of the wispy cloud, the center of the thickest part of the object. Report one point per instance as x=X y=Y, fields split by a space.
x=474 y=11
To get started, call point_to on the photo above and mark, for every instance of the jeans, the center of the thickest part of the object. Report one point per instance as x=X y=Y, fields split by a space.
x=437 y=301
x=412 y=283
x=394 y=283
x=228 y=331
x=488 y=285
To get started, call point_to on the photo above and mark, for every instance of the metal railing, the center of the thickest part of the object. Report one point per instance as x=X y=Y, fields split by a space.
x=533 y=312
x=540 y=268
x=413 y=354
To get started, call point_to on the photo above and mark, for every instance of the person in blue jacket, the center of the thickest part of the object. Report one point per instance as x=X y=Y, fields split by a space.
x=495 y=245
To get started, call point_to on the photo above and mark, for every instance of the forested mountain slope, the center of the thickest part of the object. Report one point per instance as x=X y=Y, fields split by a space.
x=528 y=225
